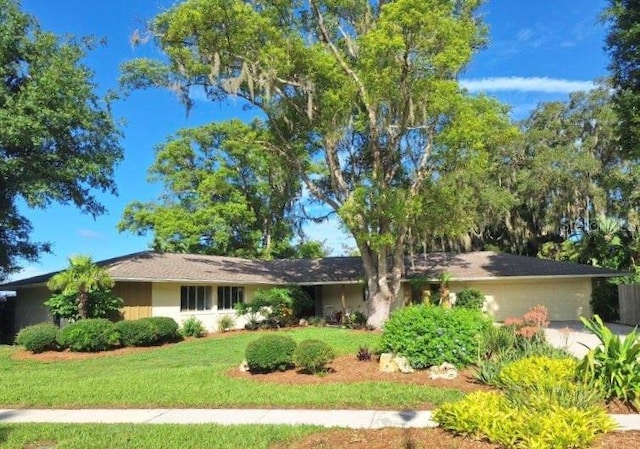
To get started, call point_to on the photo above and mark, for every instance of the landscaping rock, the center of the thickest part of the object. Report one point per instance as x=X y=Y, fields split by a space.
x=387 y=363
x=444 y=371
x=403 y=365
x=244 y=366
x=303 y=322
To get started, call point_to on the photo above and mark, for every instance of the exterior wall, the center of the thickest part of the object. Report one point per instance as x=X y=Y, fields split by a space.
x=567 y=298
x=137 y=299
x=30 y=308
x=342 y=298
x=165 y=299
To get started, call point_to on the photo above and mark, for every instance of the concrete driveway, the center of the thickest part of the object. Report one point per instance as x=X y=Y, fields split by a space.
x=575 y=338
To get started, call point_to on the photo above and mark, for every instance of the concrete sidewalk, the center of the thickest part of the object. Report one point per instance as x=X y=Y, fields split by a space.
x=354 y=419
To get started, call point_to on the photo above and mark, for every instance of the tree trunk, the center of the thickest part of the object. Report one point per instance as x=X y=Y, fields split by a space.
x=381 y=291
x=83 y=305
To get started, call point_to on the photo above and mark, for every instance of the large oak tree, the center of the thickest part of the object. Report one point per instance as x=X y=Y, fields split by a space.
x=361 y=100
x=58 y=140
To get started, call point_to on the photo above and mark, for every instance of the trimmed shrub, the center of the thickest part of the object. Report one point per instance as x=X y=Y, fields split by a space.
x=136 y=333
x=313 y=355
x=429 y=335
x=270 y=353
x=90 y=335
x=470 y=298
x=38 y=338
x=164 y=328
x=192 y=327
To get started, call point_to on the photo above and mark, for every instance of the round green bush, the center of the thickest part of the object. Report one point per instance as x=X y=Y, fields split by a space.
x=136 y=333
x=470 y=298
x=38 y=338
x=429 y=335
x=313 y=355
x=166 y=329
x=270 y=353
x=89 y=335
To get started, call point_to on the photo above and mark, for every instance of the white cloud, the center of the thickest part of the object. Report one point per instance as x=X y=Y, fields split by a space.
x=90 y=234
x=526 y=84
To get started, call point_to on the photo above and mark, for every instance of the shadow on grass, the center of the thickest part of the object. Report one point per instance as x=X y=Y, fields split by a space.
x=4 y=433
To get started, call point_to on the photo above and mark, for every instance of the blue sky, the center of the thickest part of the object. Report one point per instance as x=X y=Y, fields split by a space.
x=538 y=51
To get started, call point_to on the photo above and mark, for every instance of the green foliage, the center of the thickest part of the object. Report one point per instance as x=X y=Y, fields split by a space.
x=277 y=306
x=604 y=300
x=355 y=320
x=312 y=356
x=89 y=335
x=470 y=298
x=428 y=335
x=89 y=284
x=165 y=329
x=270 y=353
x=500 y=346
x=58 y=140
x=612 y=366
x=225 y=323
x=538 y=371
x=135 y=333
x=494 y=416
x=224 y=193
x=192 y=327
x=622 y=44
x=38 y=338
x=102 y=304
x=352 y=123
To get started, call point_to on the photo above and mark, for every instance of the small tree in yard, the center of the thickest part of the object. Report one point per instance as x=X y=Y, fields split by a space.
x=82 y=291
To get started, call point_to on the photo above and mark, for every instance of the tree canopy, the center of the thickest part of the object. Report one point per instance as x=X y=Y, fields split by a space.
x=58 y=140
x=224 y=194
x=360 y=98
x=623 y=45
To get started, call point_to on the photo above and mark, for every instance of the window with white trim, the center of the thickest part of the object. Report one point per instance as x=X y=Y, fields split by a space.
x=228 y=297
x=195 y=297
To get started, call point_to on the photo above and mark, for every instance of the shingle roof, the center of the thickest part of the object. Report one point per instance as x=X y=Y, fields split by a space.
x=489 y=265
x=155 y=267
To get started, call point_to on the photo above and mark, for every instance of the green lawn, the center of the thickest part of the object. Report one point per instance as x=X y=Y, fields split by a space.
x=151 y=436
x=192 y=374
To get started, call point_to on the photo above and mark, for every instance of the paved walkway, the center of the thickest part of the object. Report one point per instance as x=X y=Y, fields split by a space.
x=355 y=419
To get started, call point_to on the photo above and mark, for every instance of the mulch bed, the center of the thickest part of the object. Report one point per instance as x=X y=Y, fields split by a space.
x=427 y=439
x=347 y=369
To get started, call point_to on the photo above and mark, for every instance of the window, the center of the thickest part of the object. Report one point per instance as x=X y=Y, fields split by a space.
x=195 y=297
x=228 y=297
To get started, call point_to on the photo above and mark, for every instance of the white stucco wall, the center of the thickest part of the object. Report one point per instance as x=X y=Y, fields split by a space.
x=566 y=298
x=165 y=300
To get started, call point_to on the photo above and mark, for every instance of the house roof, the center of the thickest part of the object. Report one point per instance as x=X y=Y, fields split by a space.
x=483 y=265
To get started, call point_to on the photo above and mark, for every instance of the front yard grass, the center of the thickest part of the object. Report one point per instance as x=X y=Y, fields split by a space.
x=151 y=436
x=193 y=374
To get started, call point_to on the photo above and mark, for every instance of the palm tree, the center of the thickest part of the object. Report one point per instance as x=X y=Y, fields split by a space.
x=445 y=295
x=80 y=279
